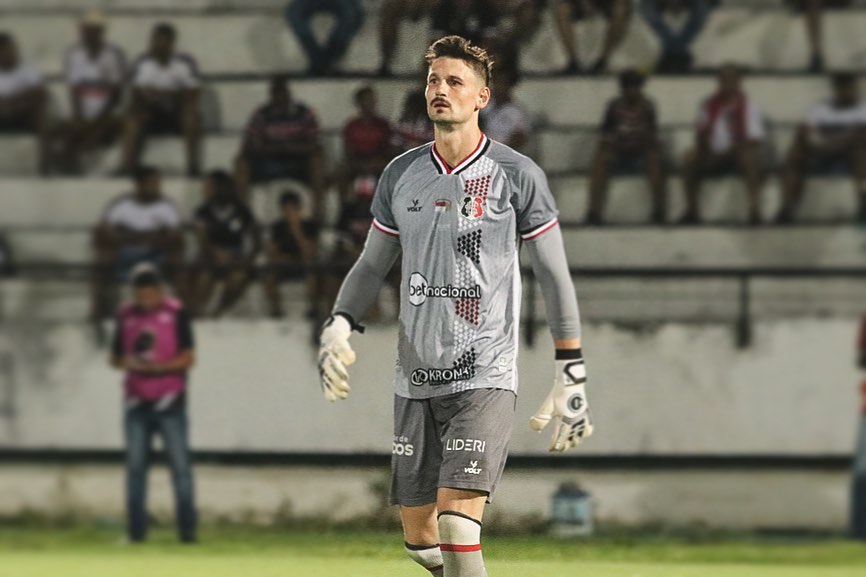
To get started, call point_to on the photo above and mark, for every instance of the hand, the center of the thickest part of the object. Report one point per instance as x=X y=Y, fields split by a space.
x=567 y=406
x=335 y=355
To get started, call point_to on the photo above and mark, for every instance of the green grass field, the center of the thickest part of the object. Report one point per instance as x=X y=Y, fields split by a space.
x=233 y=552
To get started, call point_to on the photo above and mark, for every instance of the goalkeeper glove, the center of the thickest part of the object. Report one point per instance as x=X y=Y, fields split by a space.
x=566 y=404
x=335 y=355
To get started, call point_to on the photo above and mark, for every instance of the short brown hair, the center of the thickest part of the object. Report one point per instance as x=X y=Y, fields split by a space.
x=461 y=48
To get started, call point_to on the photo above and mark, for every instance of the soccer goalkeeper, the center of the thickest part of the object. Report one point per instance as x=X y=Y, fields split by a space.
x=457 y=209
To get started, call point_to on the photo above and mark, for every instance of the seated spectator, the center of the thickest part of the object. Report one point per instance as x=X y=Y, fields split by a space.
x=367 y=147
x=814 y=10
x=282 y=140
x=676 y=23
x=414 y=127
x=7 y=261
x=348 y=16
x=833 y=139
x=23 y=98
x=475 y=20
x=617 y=13
x=504 y=119
x=728 y=137
x=292 y=252
x=228 y=240
x=390 y=15
x=140 y=227
x=94 y=72
x=165 y=100
x=629 y=142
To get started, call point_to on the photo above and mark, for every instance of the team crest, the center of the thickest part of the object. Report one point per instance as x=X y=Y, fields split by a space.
x=473 y=207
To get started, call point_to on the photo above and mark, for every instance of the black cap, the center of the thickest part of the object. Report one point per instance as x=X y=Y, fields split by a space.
x=145 y=275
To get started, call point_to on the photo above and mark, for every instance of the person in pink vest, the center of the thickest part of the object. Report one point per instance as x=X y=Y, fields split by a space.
x=153 y=344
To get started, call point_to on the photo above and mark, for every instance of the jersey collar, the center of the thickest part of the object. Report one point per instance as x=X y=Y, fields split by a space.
x=443 y=167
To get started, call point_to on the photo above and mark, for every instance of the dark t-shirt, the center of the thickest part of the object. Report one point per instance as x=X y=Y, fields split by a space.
x=286 y=242
x=472 y=20
x=185 y=338
x=632 y=126
x=227 y=225
x=272 y=125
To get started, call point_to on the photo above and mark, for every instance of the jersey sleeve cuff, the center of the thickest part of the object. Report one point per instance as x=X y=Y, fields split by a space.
x=537 y=231
x=390 y=231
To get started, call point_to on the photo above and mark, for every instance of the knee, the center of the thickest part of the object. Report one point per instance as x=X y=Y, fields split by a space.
x=456 y=528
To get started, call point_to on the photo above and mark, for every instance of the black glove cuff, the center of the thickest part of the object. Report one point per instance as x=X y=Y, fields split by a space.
x=357 y=327
x=568 y=354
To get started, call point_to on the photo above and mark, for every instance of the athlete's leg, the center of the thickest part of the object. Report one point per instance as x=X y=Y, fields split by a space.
x=460 y=514
x=421 y=536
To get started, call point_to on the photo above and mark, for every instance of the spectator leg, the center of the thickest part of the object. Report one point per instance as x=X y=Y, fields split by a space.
x=695 y=23
x=349 y=20
x=655 y=19
x=299 y=15
x=692 y=164
x=138 y=431
x=814 y=9
x=617 y=27
x=749 y=159
x=172 y=246
x=191 y=125
x=234 y=287
x=390 y=15
x=201 y=289
x=655 y=174
x=243 y=177
x=43 y=136
x=271 y=288
x=792 y=176
x=316 y=161
x=601 y=161
x=174 y=430
x=132 y=139
x=858 y=486
x=102 y=270
x=565 y=27
x=859 y=164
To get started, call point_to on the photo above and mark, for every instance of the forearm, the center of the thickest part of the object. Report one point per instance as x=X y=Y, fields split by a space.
x=551 y=268
x=361 y=286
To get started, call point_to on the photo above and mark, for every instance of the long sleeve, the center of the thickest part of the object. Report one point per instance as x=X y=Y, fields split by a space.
x=547 y=255
x=361 y=286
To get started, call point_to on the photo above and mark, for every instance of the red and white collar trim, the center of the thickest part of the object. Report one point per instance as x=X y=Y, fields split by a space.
x=445 y=168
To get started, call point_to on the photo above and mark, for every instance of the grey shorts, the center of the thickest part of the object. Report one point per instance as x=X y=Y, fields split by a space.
x=457 y=441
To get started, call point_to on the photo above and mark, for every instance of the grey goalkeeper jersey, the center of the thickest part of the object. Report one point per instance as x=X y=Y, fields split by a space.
x=459 y=229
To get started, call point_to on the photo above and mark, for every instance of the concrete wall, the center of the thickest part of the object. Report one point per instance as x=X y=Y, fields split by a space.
x=676 y=389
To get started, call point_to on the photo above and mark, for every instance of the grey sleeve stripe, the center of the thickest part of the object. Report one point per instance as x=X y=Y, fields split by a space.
x=361 y=286
x=551 y=268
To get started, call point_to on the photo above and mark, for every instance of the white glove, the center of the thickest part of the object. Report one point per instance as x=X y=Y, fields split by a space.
x=567 y=406
x=335 y=355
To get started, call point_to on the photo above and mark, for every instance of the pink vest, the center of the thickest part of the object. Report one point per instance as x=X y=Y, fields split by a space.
x=152 y=336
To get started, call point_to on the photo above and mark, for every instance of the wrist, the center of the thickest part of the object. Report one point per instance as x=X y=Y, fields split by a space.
x=353 y=325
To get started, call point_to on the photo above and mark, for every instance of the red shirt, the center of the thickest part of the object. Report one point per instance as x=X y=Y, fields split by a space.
x=367 y=137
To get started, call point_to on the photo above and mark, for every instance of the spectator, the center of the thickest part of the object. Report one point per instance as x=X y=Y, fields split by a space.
x=7 y=261
x=165 y=99
x=414 y=127
x=728 y=137
x=352 y=227
x=617 y=13
x=676 y=23
x=858 y=484
x=629 y=139
x=475 y=20
x=292 y=253
x=282 y=140
x=367 y=146
x=833 y=139
x=140 y=227
x=229 y=241
x=504 y=119
x=814 y=10
x=94 y=72
x=23 y=98
x=153 y=344
x=348 y=16
x=390 y=15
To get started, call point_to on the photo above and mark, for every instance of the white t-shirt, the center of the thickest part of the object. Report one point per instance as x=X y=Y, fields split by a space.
x=722 y=131
x=503 y=122
x=180 y=73
x=826 y=120
x=95 y=79
x=129 y=213
x=14 y=82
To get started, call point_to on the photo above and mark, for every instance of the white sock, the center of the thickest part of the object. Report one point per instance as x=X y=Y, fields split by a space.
x=427 y=556
x=460 y=537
